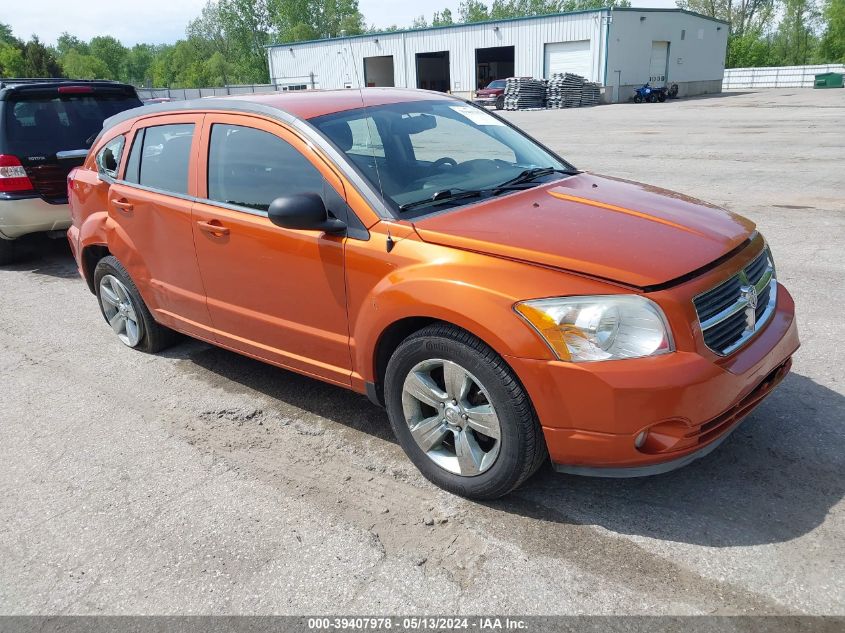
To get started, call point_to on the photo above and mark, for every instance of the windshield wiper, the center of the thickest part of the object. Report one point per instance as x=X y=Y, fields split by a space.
x=439 y=197
x=527 y=176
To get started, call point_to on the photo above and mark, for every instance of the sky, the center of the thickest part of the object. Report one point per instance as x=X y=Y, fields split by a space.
x=164 y=21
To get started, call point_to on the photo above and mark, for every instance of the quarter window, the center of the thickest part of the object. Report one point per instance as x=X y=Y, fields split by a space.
x=250 y=168
x=108 y=158
x=160 y=156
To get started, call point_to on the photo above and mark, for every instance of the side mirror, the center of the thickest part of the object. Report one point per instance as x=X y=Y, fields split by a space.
x=303 y=212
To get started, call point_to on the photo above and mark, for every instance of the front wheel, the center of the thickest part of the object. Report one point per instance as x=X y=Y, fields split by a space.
x=500 y=102
x=461 y=415
x=638 y=98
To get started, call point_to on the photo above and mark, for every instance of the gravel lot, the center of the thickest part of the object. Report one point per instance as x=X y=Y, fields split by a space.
x=199 y=481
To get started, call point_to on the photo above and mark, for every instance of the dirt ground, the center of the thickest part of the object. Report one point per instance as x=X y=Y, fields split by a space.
x=199 y=481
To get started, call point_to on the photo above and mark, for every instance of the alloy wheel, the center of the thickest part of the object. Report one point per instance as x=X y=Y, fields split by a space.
x=451 y=417
x=119 y=310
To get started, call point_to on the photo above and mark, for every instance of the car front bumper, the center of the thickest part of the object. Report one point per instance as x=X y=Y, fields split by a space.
x=593 y=413
x=22 y=215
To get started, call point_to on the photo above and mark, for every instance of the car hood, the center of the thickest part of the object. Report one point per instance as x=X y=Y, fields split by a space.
x=605 y=227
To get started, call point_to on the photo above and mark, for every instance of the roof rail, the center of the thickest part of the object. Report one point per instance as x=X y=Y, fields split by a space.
x=16 y=81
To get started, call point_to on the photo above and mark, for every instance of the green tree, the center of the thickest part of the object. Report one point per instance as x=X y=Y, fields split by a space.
x=419 y=23
x=442 y=18
x=111 y=52
x=80 y=66
x=11 y=61
x=39 y=61
x=139 y=62
x=67 y=43
x=472 y=11
x=11 y=53
x=160 y=69
x=7 y=37
x=246 y=24
x=832 y=45
x=795 y=40
x=583 y=5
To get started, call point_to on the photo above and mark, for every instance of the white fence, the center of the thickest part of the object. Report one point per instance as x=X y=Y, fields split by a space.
x=777 y=76
x=179 y=94
x=734 y=79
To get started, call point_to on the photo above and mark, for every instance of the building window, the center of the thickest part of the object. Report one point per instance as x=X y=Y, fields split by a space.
x=683 y=34
x=295 y=87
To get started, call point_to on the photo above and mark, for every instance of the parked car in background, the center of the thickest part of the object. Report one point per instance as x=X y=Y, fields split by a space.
x=46 y=127
x=492 y=95
x=502 y=305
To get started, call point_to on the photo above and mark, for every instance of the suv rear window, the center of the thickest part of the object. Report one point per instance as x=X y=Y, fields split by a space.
x=43 y=125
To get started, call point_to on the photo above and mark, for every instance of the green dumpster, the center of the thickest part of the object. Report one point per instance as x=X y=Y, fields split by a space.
x=829 y=80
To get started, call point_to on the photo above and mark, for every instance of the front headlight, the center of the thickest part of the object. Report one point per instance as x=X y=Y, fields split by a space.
x=599 y=328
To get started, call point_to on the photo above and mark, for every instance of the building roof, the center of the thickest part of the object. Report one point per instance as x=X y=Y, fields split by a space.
x=499 y=21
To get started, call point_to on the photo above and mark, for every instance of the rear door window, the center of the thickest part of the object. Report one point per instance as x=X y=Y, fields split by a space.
x=160 y=157
x=251 y=168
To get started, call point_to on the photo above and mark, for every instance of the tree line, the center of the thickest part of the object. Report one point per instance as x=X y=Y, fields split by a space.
x=225 y=44
x=779 y=32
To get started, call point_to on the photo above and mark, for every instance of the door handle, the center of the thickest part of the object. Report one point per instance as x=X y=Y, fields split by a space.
x=213 y=228
x=122 y=205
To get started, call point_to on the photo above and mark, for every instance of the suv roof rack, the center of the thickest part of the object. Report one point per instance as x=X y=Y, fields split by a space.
x=7 y=82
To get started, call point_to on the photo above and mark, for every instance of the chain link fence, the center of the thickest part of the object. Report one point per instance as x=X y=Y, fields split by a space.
x=179 y=94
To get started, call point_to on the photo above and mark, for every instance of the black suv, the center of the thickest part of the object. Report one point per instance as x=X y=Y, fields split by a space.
x=46 y=128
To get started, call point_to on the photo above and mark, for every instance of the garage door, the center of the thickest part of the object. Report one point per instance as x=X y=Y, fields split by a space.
x=569 y=57
x=659 y=59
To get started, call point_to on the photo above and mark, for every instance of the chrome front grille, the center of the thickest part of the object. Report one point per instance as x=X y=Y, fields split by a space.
x=733 y=311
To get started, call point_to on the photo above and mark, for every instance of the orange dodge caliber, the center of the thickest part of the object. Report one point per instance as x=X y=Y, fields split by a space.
x=503 y=306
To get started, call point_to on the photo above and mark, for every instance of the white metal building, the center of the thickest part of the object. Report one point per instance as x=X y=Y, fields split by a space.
x=618 y=48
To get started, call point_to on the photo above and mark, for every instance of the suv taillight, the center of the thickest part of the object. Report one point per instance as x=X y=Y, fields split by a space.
x=13 y=177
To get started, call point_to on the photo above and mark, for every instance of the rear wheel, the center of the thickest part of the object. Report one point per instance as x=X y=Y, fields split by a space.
x=661 y=97
x=652 y=98
x=125 y=311
x=8 y=251
x=461 y=415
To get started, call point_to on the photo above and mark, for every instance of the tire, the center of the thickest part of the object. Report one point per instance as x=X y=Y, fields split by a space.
x=661 y=97
x=500 y=102
x=490 y=390
x=652 y=98
x=638 y=98
x=112 y=282
x=8 y=251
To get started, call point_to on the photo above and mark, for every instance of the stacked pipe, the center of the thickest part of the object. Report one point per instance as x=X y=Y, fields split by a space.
x=524 y=93
x=564 y=90
x=591 y=94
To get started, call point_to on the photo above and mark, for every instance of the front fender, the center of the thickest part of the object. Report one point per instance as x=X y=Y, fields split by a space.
x=473 y=291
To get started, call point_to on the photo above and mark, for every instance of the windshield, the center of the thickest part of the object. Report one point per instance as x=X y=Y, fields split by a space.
x=45 y=125
x=499 y=83
x=433 y=150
